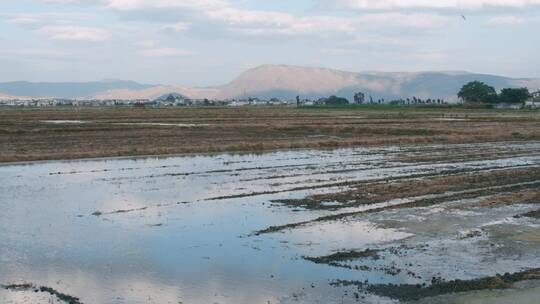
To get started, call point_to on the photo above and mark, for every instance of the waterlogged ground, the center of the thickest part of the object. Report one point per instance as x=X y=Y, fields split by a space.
x=374 y=225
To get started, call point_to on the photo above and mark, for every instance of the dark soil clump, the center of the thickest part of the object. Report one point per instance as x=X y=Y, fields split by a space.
x=31 y=287
x=533 y=214
x=345 y=256
x=409 y=292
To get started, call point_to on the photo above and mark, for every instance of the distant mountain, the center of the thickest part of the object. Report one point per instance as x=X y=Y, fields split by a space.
x=282 y=81
x=66 y=89
x=9 y=97
x=288 y=81
x=156 y=92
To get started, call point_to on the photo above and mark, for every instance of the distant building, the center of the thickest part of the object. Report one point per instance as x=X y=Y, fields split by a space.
x=320 y=101
x=171 y=99
x=534 y=101
x=532 y=104
x=506 y=105
x=307 y=102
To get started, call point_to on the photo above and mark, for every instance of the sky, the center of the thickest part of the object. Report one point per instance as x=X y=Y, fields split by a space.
x=210 y=42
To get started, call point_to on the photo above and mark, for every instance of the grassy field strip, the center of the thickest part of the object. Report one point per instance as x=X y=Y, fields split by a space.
x=23 y=137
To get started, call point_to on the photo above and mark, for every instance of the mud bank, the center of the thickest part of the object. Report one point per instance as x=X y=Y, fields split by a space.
x=417 y=292
x=27 y=287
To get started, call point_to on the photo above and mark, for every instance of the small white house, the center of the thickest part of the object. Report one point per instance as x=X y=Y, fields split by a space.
x=532 y=104
x=504 y=105
x=534 y=101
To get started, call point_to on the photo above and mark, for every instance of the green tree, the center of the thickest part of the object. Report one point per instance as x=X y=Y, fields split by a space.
x=334 y=100
x=477 y=91
x=510 y=95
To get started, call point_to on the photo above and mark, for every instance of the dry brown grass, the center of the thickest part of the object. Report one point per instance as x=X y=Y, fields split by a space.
x=23 y=135
x=519 y=197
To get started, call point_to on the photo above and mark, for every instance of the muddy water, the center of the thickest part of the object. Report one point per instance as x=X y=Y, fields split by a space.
x=179 y=229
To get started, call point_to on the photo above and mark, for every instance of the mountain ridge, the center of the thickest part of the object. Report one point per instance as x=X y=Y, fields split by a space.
x=281 y=81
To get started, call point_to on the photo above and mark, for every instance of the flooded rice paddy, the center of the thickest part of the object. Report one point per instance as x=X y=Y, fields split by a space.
x=426 y=224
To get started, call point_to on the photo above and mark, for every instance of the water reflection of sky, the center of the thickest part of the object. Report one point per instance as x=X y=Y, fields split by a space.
x=174 y=242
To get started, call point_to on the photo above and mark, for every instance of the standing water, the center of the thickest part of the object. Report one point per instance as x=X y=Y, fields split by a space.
x=181 y=229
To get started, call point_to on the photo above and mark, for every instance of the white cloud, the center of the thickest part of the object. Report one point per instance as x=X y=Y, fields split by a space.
x=36 y=19
x=414 y=20
x=35 y=53
x=75 y=33
x=222 y=16
x=429 y=56
x=146 y=44
x=161 y=52
x=429 y=4
x=178 y=26
x=73 y=1
x=22 y=20
x=199 y=5
x=260 y=24
x=272 y=23
x=339 y=51
x=505 y=20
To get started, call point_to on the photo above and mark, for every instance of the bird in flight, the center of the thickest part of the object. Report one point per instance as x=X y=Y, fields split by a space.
x=463 y=16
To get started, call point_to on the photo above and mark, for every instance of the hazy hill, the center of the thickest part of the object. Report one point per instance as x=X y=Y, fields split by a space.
x=289 y=81
x=66 y=89
x=156 y=92
x=282 y=81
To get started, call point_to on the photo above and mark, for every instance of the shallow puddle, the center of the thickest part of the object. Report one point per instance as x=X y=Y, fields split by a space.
x=161 y=124
x=180 y=229
x=61 y=122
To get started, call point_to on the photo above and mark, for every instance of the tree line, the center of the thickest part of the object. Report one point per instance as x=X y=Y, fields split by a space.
x=479 y=92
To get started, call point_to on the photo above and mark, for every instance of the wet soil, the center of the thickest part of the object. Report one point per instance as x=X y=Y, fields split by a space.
x=511 y=186
x=27 y=287
x=389 y=189
x=344 y=256
x=409 y=292
x=533 y=214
